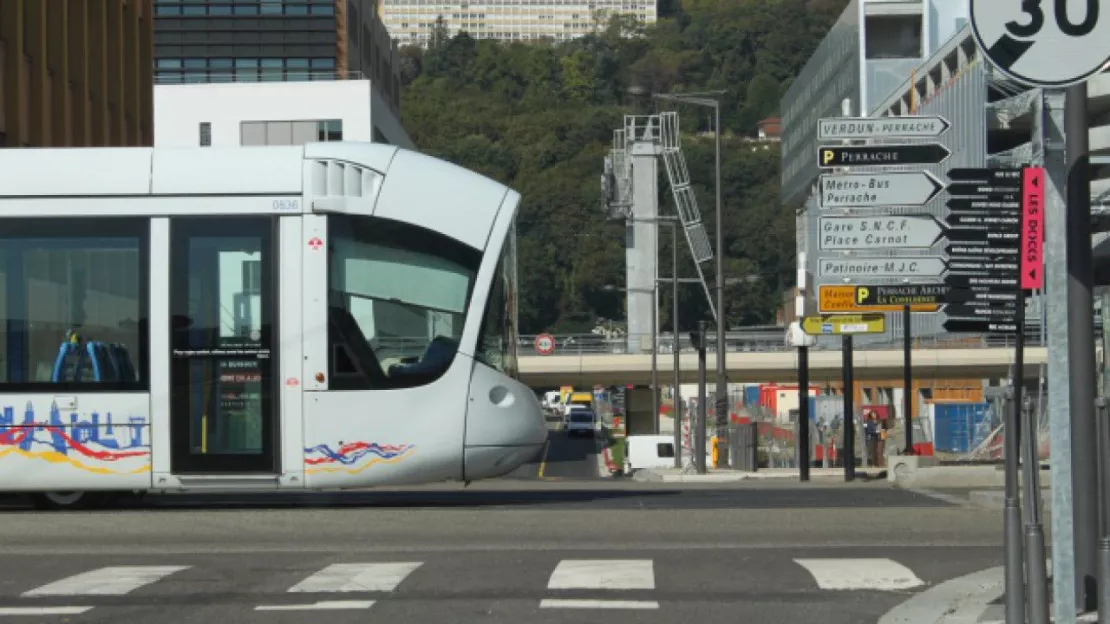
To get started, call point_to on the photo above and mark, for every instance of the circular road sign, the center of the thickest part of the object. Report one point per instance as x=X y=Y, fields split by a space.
x=545 y=344
x=1043 y=43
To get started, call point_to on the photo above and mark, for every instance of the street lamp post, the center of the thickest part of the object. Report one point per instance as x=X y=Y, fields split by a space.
x=722 y=381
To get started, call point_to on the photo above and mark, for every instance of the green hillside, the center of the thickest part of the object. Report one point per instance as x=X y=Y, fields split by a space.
x=540 y=118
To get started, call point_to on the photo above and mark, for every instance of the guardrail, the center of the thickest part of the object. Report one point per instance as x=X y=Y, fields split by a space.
x=583 y=344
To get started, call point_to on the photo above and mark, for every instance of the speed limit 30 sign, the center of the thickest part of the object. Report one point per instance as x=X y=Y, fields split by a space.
x=1043 y=43
x=545 y=344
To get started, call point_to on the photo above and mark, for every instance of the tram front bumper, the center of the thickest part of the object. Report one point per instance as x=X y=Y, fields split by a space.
x=505 y=426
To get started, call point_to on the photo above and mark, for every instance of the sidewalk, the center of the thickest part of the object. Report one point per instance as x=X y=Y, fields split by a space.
x=973 y=599
x=675 y=475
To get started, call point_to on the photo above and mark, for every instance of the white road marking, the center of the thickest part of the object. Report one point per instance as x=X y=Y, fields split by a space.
x=112 y=581
x=603 y=574
x=873 y=574
x=554 y=603
x=43 y=610
x=350 y=577
x=327 y=605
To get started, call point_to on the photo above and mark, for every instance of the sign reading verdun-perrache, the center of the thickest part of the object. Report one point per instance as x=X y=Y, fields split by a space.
x=879 y=232
x=909 y=127
x=916 y=266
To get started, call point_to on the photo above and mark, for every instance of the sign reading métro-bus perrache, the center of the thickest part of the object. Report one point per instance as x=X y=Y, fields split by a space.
x=858 y=128
x=869 y=190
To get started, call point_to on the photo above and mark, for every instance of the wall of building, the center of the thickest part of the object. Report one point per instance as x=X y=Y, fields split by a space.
x=75 y=73
x=181 y=109
x=410 y=22
x=831 y=75
x=371 y=51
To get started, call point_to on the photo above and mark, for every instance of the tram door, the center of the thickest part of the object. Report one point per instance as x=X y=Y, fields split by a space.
x=224 y=404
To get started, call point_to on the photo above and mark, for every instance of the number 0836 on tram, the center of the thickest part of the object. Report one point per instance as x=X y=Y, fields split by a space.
x=332 y=315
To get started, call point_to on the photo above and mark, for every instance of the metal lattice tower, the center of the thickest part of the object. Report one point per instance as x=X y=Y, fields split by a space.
x=616 y=181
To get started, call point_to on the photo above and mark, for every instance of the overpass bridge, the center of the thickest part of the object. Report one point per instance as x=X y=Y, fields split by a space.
x=593 y=360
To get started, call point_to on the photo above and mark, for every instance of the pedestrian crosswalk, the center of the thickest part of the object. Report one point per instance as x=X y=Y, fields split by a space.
x=570 y=583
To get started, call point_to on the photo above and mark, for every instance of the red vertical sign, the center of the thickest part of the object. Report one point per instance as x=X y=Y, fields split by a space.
x=1032 y=228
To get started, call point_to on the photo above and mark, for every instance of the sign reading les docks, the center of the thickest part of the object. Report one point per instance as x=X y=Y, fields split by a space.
x=1032 y=228
x=838 y=298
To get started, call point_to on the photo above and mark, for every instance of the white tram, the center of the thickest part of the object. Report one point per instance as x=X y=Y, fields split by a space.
x=332 y=315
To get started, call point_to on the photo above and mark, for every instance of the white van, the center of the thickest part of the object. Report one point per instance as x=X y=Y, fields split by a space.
x=648 y=451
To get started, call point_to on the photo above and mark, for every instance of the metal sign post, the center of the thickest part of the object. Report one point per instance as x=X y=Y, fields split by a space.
x=1053 y=47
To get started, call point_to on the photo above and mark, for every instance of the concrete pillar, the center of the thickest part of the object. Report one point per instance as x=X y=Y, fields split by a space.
x=641 y=236
x=637 y=411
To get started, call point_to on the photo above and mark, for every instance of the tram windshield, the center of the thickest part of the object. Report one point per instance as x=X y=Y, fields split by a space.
x=397 y=302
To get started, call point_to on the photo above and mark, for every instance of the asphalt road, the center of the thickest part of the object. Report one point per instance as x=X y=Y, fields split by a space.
x=563 y=457
x=499 y=552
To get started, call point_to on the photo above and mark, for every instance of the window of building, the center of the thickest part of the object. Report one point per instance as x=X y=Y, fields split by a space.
x=74 y=305
x=497 y=342
x=397 y=302
x=892 y=37
x=170 y=70
x=329 y=130
x=205 y=134
x=290 y=132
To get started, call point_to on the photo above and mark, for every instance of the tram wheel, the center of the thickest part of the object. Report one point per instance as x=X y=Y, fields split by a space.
x=67 y=500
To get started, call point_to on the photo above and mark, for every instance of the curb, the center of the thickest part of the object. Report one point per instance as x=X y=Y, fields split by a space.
x=961 y=600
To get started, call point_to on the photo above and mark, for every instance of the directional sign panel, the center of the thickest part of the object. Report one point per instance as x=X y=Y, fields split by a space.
x=865 y=190
x=995 y=297
x=844 y=324
x=979 y=326
x=879 y=232
x=995 y=222
x=982 y=309
x=895 y=297
x=1040 y=43
x=984 y=190
x=862 y=299
x=1032 y=229
x=984 y=175
x=960 y=263
x=882 y=155
x=979 y=235
x=905 y=266
x=908 y=127
x=976 y=205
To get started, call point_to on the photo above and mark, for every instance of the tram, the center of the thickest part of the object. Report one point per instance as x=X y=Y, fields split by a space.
x=325 y=316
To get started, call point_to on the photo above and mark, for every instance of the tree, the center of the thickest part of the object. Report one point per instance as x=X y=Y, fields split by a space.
x=539 y=117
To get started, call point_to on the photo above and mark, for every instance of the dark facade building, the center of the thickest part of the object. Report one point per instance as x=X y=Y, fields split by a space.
x=274 y=40
x=76 y=73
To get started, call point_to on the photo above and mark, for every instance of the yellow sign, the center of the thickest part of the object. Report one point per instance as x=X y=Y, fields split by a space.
x=859 y=299
x=842 y=324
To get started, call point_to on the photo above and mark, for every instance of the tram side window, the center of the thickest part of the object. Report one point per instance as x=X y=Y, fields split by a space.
x=73 y=305
x=497 y=342
x=398 y=296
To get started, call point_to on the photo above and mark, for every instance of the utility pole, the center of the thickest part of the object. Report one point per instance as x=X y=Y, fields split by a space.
x=722 y=318
x=1081 y=340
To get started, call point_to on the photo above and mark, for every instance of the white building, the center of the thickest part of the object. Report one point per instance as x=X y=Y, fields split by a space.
x=274 y=113
x=411 y=21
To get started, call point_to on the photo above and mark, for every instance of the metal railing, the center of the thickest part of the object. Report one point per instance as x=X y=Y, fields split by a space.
x=593 y=344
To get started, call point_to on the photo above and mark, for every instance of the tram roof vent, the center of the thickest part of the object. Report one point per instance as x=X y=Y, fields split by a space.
x=336 y=178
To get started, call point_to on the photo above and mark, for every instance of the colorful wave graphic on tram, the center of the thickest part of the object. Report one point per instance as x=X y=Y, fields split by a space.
x=90 y=445
x=353 y=457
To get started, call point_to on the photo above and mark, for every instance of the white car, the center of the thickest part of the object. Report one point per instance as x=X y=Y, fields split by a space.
x=581 y=421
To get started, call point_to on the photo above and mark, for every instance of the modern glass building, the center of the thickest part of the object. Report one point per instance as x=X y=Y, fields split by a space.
x=75 y=74
x=204 y=41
